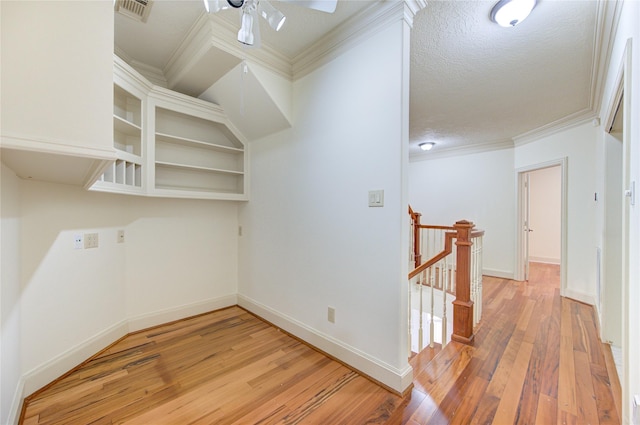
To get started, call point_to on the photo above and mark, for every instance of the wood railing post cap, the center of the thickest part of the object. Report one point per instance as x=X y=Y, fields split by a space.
x=464 y=223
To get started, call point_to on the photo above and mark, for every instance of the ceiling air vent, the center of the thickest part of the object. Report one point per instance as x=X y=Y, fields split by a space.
x=134 y=9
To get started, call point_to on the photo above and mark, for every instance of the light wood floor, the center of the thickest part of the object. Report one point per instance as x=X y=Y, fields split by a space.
x=536 y=360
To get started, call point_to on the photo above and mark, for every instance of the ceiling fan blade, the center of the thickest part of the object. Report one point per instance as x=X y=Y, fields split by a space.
x=214 y=6
x=328 y=6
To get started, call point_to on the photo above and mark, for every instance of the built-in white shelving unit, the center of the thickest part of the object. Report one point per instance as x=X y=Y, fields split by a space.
x=172 y=145
x=196 y=154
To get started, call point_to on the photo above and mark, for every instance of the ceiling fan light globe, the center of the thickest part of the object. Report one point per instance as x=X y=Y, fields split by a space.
x=273 y=16
x=509 y=13
x=245 y=35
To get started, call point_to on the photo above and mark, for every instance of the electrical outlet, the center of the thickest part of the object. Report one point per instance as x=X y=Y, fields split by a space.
x=331 y=315
x=78 y=241
x=120 y=236
x=90 y=240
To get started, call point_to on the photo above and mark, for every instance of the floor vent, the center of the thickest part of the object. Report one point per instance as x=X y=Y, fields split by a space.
x=134 y=9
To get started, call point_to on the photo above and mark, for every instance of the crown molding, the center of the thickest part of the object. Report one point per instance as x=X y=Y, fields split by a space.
x=352 y=31
x=412 y=8
x=211 y=31
x=462 y=150
x=555 y=127
x=148 y=72
x=607 y=18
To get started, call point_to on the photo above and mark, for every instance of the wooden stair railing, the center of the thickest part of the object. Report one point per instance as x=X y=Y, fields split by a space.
x=463 y=306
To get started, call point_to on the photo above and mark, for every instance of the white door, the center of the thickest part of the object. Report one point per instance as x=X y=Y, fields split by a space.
x=526 y=227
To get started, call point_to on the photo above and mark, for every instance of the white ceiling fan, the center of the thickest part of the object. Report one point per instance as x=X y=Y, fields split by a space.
x=249 y=33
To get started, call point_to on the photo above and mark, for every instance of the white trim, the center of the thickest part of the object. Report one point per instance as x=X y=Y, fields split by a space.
x=519 y=263
x=16 y=403
x=462 y=150
x=498 y=273
x=578 y=296
x=56 y=147
x=396 y=379
x=352 y=31
x=607 y=19
x=47 y=372
x=557 y=126
x=160 y=317
x=545 y=260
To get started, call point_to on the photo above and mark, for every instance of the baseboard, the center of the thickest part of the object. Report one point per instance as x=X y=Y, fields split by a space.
x=16 y=403
x=155 y=318
x=545 y=260
x=397 y=380
x=61 y=364
x=578 y=296
x=498 y=273
x=51 y=370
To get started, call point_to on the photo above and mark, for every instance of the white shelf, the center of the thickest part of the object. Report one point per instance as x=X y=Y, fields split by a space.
x=126 y=156
x=196 y=143
x=171 y=145
x=126 y=127
x=193 y=153
x=198 y=168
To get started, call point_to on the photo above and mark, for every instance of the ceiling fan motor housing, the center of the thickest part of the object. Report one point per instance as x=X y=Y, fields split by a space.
x=236 y=3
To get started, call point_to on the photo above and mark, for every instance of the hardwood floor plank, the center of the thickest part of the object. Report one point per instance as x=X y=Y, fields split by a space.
x=614 y=380
x=546 y=411
x=587 y=410
x=536 y=359
x=508 y=406
x=567 y=374
x=607 y=411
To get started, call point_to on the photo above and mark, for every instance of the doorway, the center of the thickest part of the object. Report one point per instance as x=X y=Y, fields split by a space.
x=541 y=224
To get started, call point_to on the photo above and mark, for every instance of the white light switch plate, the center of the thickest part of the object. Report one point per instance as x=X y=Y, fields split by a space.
x=376 y=198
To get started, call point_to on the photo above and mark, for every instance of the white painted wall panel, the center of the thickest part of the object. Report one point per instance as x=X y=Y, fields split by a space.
x=310 y=239
x=57 y=72
x=176 y=254
x=578 y=144
x=475 y=187
x=10 y=309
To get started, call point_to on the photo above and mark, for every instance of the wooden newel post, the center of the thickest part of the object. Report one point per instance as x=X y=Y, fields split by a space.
x=417 y=249
x=463 y=306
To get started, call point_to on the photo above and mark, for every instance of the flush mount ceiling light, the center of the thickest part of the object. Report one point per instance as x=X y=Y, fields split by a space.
x=509 y=13
x=426 y=146
x=249 y=33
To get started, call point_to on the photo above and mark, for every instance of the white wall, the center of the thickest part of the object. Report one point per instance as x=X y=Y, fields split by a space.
x=10 y=335
x=310 y=240
x=476 y=187
x=628 y=30
x=545 y=207
x=611 y=301
x=578 y=144
x=179 y=258
x=57 y=73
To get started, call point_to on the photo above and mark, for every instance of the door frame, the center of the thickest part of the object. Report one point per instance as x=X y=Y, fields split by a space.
x=520 y=211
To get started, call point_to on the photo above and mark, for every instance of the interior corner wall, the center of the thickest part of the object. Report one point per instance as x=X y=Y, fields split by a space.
x=179 y=258
x=628 y=36
x=476 y=187
x=310 y=241
x=578 y=145
x=545 y=217
x=10 y=336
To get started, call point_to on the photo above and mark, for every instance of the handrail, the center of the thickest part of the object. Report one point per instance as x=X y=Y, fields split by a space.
x=446 y=251
x=435 y=227
x=467 y=272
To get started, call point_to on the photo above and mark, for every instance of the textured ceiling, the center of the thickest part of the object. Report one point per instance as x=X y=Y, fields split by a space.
x=472 y=82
